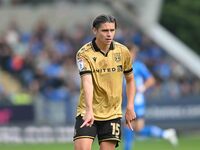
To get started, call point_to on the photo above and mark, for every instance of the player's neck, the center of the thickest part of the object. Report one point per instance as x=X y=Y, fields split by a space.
x=103 y=47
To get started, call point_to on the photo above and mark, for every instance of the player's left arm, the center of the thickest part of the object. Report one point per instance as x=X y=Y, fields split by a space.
x=130 y=89
x=130 y=92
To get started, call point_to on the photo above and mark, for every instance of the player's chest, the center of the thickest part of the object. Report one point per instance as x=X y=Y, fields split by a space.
x=111 y=63
x=101 y=61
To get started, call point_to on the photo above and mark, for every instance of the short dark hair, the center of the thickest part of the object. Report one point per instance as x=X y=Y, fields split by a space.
x=103 y=19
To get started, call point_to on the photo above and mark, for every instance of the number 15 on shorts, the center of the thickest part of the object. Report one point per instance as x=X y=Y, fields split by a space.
x=115 y=129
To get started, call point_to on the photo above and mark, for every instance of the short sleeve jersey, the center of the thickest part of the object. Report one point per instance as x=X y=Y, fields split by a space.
x=107 y=75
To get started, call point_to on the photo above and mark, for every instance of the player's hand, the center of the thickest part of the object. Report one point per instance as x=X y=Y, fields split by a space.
x=88 y=119
x=130 y=116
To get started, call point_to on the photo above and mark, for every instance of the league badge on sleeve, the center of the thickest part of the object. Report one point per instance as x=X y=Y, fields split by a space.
x=80 y=64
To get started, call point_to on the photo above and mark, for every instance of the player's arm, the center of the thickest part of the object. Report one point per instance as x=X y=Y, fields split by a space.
x=148 y=77
x=87 y=85
x=88 y=95
x=149 y=82
x=130 y=92
x=130 y=88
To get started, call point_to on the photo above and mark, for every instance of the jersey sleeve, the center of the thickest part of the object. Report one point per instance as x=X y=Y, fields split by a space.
x=83 y=64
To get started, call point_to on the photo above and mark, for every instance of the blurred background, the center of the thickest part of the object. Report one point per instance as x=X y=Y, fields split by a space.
x=39 y=80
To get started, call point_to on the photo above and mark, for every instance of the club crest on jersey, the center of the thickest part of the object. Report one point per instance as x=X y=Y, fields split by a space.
x=117 y=57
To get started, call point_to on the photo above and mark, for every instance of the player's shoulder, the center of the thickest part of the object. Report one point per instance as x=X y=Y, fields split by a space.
x=123 y=49
x=119 y=45
x=84 y=49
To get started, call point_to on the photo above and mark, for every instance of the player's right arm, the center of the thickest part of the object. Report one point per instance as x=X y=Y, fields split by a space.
x=87 y=87
x=88 y=96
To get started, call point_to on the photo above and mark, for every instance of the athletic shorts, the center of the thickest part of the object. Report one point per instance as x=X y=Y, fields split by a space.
x=109 y=130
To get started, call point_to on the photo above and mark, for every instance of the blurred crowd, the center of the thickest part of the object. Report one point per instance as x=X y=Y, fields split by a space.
x=43 y=60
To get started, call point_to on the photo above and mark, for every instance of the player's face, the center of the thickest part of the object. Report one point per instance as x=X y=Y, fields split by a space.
x=105 y=33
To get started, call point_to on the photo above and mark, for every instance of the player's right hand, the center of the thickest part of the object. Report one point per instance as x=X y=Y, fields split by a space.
x=88 y=119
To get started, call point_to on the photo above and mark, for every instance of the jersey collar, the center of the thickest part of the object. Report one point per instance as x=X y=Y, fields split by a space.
x=97 y=49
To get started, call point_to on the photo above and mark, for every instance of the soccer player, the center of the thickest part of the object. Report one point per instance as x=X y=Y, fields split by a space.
x=143 y=80
x=102 y=64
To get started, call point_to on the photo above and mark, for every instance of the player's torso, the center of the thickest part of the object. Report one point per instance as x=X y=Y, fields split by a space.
x=107 y=72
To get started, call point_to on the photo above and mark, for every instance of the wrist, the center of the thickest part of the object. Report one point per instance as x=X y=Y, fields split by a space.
x=130 y=107
x=89 y=109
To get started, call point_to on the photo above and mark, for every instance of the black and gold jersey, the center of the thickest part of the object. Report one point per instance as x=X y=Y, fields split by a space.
x=107 y=73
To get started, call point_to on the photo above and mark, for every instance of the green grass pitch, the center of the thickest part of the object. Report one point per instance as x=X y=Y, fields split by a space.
x=185 y=143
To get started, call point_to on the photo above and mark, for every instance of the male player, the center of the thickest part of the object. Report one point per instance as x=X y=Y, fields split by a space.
x=143 y=80
x=102 y=64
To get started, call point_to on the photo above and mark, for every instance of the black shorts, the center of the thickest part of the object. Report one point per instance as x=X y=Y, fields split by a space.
x=109 y=130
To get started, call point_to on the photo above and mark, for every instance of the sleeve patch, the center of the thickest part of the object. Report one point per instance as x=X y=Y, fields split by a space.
x=80 y=64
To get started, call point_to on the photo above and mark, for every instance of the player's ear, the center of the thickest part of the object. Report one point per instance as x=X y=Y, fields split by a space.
x=94 y=30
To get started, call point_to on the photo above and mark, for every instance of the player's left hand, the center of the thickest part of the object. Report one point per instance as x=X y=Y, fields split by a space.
x=130 y=116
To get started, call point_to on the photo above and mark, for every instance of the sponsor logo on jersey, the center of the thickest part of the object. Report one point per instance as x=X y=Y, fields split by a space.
x=94 y=58
x=113 y=69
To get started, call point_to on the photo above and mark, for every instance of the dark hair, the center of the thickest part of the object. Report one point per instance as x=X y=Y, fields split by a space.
x=103 y=19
